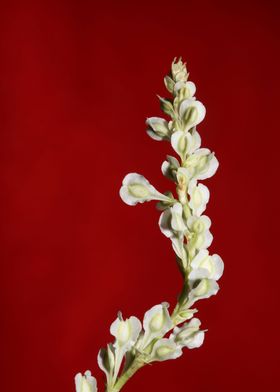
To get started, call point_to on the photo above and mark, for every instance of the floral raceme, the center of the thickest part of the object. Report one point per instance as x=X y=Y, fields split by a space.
x=162 y=334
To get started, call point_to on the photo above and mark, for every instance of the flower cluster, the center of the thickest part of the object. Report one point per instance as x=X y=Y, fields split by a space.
x=162 y=335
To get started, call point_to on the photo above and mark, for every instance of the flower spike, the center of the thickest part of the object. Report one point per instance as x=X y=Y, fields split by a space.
x=162 y=335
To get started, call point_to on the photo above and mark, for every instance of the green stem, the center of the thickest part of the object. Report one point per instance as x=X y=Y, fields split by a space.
x=136 y=365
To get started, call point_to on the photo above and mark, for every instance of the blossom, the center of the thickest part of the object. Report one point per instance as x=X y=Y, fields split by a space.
x=126 y=331
x=199 y=197
x=137 y=189
x=200 y=236
x=169 y=167
x=158 y=128
x=191 y=113
x=204 y=288
x=156 y=323
x=165 y=349
x=201 y=164
x=187 y=89
x=185 y=142
x=188 y=335
x=85 y=383
x=106 y=361
x=205 y=266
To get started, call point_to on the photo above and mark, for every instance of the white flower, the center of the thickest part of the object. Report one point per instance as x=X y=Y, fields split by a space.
x=126 y=331
x=192 y=113
x=158 y=128
x=106 y=361
x=85 y=383
x=200 y=237
x=205 y=266
x=188 y=335
x=171 y=221
x=185 y=142
x=137 y=189
x=199 y=197
x=202 y=289
x=165 y=349
x=169 y=167
x=156 y=323
x=172 y=225
x=188 y=88
x=201 y=164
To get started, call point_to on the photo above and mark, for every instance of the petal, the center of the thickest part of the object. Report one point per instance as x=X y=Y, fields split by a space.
x=177 y=222
x=199 y=197
x=158 y=128
x=165 y=349
x=205 y=289
x=156 y=323
x=181 y=143
x=137 y=189
x=85 y=383
x=192 y=113
x=210 y=168
x=165 y=223
x=219 y=266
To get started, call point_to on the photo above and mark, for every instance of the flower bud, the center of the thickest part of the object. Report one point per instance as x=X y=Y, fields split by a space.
x=85 y=383
x=158 y=128
x=179 y=71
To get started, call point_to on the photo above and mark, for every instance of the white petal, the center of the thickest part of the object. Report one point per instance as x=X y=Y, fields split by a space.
x=177 y=222
x=205 y=289
x=219 y=266
x=126 y=331
x=192 y=113
x=137 y=189
x=165 y=223
x=197 y=340
x=158 y=128
x=199 y=197
x=210 y=168
x=181 y=143
x=165 y=349
x=85 y=383
x=156 y=323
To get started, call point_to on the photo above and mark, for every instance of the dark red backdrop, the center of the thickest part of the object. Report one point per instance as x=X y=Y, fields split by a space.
x=78 y=79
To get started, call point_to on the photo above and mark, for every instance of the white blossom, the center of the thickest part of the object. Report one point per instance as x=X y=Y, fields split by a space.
x=165 y=349
x=169 y=167
x=188 y=87
x=156 y=323
x=204 y=288
x=137 y=189
x=200 y=237
x=126 y=331
x=201 y=164
x=199 y=197
x=188 y=335
x=85 y=383
x=205 y=266
x=158 y=128
x=106 y=361
x=192 y=113
x=185 y=143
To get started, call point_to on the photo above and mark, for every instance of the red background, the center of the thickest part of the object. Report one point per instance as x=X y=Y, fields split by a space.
x=78 y=79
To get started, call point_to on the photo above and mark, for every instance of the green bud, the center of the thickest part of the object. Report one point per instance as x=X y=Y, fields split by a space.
x=169 y=84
